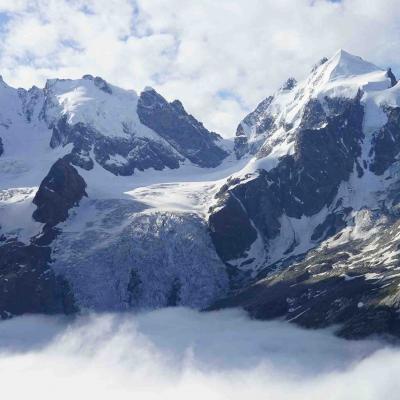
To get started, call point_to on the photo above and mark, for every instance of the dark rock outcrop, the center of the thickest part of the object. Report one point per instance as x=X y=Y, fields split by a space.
x=60 y=190
x=230 y=227
x=28 y=285
x=27 y=282
x=263 y=123
x=289 y=84
x=133 y=152
x=102 y=85
x=390 y=75
x=386 y=142
x=181 y=130
x=1 y=147
x=332 y=224
x=319 y=303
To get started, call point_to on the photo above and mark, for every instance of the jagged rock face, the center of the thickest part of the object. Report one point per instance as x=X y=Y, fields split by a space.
x=27 y=282
x=119 y=155
x=391 y=76
x=1 y=147
x=231 y=230
x=326 y=150
x=60 y=190
x=261 y=120
x=325 y=155
x=386 y=142
x=179 y=129
x=289 y=84
x=30 y=100
x=121 y=131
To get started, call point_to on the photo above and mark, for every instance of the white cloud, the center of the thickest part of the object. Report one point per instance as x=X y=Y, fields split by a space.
x=219 y=57
x=180 y=354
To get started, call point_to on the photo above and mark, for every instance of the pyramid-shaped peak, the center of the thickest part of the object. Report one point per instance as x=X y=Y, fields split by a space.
x=343 y=64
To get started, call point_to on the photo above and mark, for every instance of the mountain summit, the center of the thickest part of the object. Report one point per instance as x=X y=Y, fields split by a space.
x=111 y=200
x=341 y=76
x=344 y=64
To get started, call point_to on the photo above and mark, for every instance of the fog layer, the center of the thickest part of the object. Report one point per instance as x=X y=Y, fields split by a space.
x=182 y=354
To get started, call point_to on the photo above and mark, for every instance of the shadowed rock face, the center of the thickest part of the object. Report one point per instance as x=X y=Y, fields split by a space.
x=134 y=152
x=28 y=285
x=183 y=132
x=391 y=76
x=1 y=147
x=177 y=136
x=326 y=152
x=386 y=143
x=230 y=227
x=59 y=191
x=262 y=121
x=27 y=282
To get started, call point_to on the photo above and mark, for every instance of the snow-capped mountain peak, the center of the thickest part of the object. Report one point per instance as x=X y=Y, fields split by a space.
x=95 y=103
x=344 y=64
x=342 y=76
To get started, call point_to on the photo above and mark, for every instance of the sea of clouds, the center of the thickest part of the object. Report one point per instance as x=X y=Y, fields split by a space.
x=178 y=353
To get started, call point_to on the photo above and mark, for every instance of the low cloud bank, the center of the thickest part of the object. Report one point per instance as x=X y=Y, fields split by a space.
x=182 y=354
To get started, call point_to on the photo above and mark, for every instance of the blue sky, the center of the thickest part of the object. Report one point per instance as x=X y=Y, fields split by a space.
x=219 y=57
x=4 y=18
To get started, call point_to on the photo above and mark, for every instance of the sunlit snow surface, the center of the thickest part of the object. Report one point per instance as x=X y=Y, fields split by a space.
x=178 y=353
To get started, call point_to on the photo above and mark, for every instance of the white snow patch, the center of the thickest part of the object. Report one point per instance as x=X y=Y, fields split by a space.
x=116 y=159
x=16 y=210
